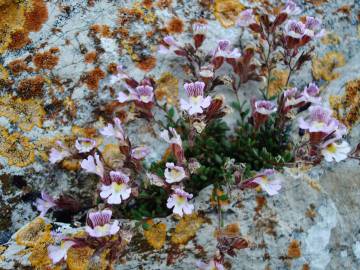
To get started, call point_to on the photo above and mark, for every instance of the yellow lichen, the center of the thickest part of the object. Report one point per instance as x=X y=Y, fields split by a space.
x=277 y=82
x=347 y=107
x=168 y=88
x=294 y=251
x=16 y=148
x=35 y=231
x=324 y=68
x=227 y=11
x=155 y=234
x=186 y=228
x=112 y=155
x=26 y=113
x=79 y=258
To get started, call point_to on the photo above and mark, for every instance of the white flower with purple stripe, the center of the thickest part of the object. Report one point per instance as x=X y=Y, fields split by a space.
x=85 y=145
x=142 y=93
x=179 y=202
x=115 y=130
x=59 y=252
x=99 y=224
x=196 y=103
x=118 y=190
x=173 y=173
x=93 y=165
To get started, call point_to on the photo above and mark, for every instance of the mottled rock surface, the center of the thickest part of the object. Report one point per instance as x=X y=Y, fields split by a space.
x=320 y=210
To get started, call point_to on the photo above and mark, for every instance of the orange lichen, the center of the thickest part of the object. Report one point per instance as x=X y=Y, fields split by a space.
x=147 y=3
x=230 y=230
x=46 y=60
x=26 y=113
x=112 y=68
x=175 y=25
x=31 y=87
x=36 y=16
x=17 y=66
x=112 y=155
x=164 y=3
x=294 y=250
x=93 y=77
x=216 y=193
x=147 y=64
x=102 y=29
x=260 y=203
x=90 y=57
x=19 y=40
x=156 y=234
x=168 y=88
x=227 y=11
x=186 y=228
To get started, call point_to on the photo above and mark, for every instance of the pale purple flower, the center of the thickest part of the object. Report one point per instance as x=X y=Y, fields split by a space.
x=142 y=93
x=45 y=203
x=171 y=137
x=224 y=50
x=197 y=102
x=319 y=120
x=99 y=225
x=311 y=94
x=140 y=152
x=179 y=201
x=212 y=265
x=292 y=97
x=85 y=145
x=207 y=71
x=173 y=173
x=264 y=107
x=58 y=155
x=59 y=252
x=313 y=27
x=120 y=75
x=118 y=190
x=268 y=181
x=115 y=130
x=291 y=8
x=172 y=44
x=200 y=28
x=295 y=29
x=93 y=165
x=335 y=151
x=155 y=180
x=246 y=18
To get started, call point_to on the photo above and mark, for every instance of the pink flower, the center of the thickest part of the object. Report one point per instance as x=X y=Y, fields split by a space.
x=120 y=75
x=246 y=18
x=179 y=201
x=58 y=155
x=172 y=45
x=212 y=265
x=99 y=225
x=140 y=152
x=199 y=28
x=118 y=190
x=57 y=253
x=291 y=8
x=313 y=28
x=142 y=94
x=115 y=130
x=224 y=50
x=261 y=111
x=197 y=102
x=295 y=29
x=85 y=145
x=264 y=107
x=267 y=182
x=93 y=165
x=292 y=98
x=45 y=203
x=319 y=121
x=311 y=94
x=174 y=174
